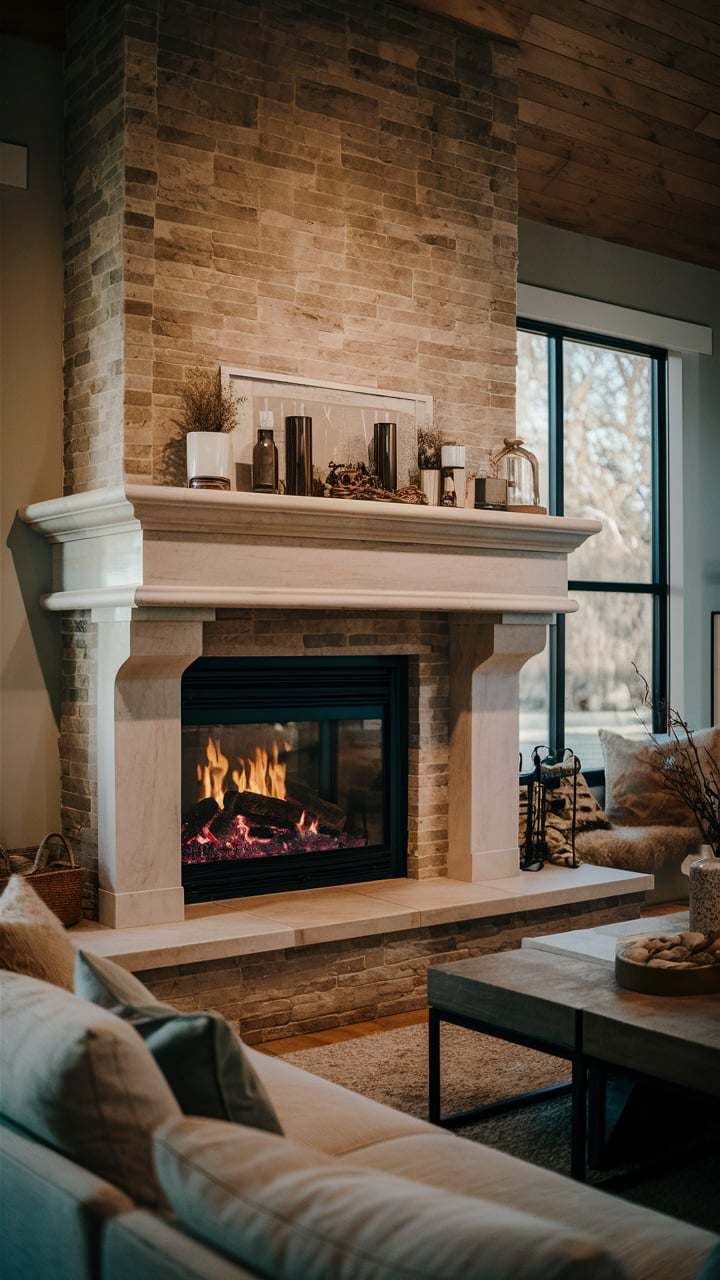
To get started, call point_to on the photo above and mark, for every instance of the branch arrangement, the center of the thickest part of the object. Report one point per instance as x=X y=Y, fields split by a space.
x=689 y=771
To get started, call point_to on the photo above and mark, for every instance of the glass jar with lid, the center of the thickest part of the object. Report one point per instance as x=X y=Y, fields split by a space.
x=519 y=467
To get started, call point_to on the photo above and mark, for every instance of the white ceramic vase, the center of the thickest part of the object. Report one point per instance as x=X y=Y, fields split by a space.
x=705 y=892
x=208 y=460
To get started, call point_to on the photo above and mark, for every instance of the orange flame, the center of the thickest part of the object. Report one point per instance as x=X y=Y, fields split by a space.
x=264 y=773
x=212 y=775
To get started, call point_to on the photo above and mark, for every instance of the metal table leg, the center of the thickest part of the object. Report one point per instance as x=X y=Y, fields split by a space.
x=433 y=1066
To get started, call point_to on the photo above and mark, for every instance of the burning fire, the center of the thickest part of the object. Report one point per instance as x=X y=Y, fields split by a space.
x=227 y=823
x=265 y=773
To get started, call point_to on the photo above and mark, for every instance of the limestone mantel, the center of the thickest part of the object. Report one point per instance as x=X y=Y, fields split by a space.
x=149 y=546
x=152 y=564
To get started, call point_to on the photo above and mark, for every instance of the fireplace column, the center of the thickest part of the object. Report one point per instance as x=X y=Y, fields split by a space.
x=142 y=654
x=486 y=655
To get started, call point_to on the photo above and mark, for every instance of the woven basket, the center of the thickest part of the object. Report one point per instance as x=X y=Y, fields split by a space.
x=58 y=883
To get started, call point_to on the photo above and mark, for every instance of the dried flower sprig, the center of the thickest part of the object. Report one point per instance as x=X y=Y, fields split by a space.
x=206 y=404
x=690 y=772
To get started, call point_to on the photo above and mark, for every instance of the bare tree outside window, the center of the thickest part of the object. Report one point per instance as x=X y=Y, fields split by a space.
x=604 y=431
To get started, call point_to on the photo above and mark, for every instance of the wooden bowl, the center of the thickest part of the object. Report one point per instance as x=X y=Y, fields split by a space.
x=701 y=981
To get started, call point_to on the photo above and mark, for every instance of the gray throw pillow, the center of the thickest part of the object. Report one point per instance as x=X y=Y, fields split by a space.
x=199 y=1054
x=83 y=1082
x=285 y=1211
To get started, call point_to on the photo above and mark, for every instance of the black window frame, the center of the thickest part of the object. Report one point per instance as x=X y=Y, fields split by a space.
x=658 y=587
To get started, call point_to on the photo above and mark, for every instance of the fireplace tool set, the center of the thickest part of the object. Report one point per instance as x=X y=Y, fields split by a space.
x=545 y=780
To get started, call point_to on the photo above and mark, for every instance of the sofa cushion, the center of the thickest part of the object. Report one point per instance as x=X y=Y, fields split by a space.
x=287 y=1211
x=650 y=1245
x=32 y=939
x=201 y=1057
x=349 y=1121
x=636 y=794
x=82 y=1081
x=150 y=1247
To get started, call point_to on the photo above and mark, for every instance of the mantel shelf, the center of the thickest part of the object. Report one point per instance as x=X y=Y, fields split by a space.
x=145 y=546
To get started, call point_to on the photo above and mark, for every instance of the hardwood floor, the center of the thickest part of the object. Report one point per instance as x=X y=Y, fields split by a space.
x=334 y=1035
x=354 y=1030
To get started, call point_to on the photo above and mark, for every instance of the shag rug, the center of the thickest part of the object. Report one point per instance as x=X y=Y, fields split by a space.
x=391 y=1067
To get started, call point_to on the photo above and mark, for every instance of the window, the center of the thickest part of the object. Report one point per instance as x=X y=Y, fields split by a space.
x=593 y=410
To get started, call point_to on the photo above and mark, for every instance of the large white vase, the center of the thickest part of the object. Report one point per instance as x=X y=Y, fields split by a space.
x=209 y=460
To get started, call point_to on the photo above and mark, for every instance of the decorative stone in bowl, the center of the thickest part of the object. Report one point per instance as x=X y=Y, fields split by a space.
x=670 y=964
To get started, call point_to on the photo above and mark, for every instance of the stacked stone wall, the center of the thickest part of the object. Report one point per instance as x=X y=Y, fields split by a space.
x=298 y=990
x=93 y=357
x=78 y=749
x=325 y=191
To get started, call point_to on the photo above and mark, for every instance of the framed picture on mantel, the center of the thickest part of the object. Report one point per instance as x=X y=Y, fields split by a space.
x=343 y=418
x=715 y=668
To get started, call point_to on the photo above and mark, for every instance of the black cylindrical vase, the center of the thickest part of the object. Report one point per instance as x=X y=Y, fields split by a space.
x=298 y=455
x=385 y=440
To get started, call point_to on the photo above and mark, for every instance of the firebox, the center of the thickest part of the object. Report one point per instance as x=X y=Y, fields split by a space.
x=294 y=773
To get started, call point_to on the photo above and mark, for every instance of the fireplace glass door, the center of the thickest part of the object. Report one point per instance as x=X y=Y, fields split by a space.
x=294 y=773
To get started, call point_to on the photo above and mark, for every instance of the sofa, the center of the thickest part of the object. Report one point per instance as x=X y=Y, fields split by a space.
x=138 y=1139
x=104 y=1175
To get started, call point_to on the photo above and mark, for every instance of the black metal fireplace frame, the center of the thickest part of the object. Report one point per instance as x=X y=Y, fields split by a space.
x=242 y=690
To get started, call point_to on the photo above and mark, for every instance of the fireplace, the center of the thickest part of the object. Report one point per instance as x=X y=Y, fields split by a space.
x=173 y=575
x=294 y=773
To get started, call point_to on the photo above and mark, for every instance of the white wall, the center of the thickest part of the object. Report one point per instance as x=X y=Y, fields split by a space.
x=31 y=111
x=570 y=263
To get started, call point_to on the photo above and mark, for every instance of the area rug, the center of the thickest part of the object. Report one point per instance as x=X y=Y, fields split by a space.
x=391 y=1067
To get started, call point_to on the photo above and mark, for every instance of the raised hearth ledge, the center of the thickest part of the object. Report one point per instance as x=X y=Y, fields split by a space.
x=273 y=922
x=153 y=546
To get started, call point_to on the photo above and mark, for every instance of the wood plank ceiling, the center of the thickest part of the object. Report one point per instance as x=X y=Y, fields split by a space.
x=619 y=105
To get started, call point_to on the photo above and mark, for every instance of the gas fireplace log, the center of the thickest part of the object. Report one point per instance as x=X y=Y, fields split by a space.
x=330 y=816
x=272 y=812
x=199 y=816
x=223 y=824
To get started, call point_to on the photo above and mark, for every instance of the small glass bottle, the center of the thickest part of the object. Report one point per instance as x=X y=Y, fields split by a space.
x=265 y=457
x=449 y=496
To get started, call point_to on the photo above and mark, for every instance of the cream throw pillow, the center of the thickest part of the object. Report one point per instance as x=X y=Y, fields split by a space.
x=636 y=794
x=83 y=1082
x=286 y=1211
x=32 y=939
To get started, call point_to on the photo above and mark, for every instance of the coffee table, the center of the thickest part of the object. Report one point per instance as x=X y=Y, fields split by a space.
x=558 y=994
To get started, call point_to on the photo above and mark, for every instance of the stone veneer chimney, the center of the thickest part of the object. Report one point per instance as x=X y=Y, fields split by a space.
x=324 y=190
